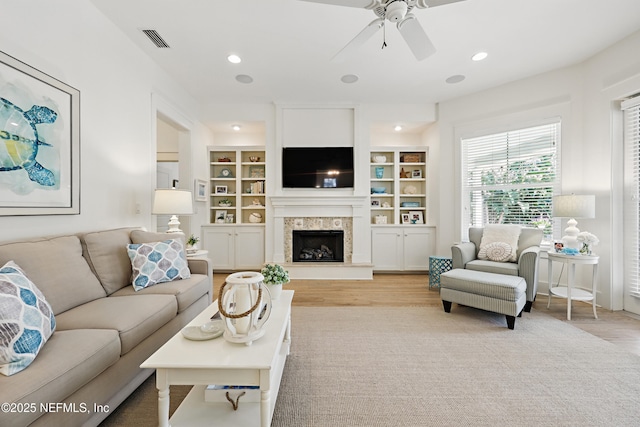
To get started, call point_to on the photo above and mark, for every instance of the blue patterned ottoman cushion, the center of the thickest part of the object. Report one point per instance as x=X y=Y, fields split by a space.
x=157 y=262
x=26 y=320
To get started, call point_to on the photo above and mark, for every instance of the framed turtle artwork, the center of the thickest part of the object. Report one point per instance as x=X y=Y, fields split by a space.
x=39 y=142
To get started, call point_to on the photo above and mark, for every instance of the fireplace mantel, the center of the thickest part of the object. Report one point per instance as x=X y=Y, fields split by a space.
x=343 y=206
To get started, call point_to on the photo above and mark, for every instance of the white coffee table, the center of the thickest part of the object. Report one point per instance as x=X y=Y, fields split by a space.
x=200 y=363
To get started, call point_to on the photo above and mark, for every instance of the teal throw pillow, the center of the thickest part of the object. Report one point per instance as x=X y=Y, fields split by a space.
x=157 y=262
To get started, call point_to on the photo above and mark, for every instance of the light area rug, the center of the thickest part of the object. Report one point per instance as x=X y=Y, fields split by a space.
x=420 y=366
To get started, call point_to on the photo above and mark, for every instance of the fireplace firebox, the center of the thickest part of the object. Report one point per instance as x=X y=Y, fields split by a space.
x=318 y=246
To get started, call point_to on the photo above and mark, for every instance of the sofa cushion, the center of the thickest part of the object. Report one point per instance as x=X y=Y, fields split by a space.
x=157 y=262
x=58 y=267
x=186 y=291
x=26 y=320
x=509 y=268
x=69 y=360
x=134 y=317
x=106 y=252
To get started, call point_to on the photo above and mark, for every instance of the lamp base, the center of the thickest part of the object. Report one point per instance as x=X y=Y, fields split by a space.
x=174 y=225
x=570 y=238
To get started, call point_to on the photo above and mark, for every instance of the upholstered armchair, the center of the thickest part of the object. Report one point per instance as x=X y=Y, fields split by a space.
x=525 y=265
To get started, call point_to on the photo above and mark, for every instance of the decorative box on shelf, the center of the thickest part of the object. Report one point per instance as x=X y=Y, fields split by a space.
x=410 y=158
x=410 y=204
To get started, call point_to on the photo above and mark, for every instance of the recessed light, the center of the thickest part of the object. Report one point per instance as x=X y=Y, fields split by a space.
x=455 y=79
x=236 y=127
x=234 y=59
x=243 y=78
x=349 y=78
x=479 y=56
x=397 y=128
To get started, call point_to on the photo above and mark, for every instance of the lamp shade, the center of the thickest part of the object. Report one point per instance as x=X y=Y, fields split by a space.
x=574 y=206
x=172 y=202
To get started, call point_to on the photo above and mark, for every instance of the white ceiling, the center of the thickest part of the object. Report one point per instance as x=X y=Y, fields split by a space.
x=286 y=46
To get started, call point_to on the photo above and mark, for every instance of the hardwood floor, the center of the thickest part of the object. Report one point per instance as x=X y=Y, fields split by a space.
x=617 y=327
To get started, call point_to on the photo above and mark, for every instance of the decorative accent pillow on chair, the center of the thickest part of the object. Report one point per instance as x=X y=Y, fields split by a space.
x=26 y=320
x=157 y=262
x=496 y=251
x=500 y=233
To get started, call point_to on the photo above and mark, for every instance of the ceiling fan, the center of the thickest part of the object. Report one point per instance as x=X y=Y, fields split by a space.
x=398 y=11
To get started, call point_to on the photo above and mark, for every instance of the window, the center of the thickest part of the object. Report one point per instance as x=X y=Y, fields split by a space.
x=510 y=177
x=631 y=110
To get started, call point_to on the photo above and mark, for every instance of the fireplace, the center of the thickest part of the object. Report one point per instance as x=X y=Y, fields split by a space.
x=318 y=246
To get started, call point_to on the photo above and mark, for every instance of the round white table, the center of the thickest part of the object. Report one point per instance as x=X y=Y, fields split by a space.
x=570 y=292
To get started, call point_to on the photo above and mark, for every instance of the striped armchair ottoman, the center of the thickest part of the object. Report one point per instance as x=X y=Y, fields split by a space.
x=499 y=293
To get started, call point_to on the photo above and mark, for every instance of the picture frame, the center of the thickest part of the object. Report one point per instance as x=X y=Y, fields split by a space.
x=200 y=190
x=416 y=173
x=256 y=172
x=406 y=218
x=220 y=216
x=228 y=219
x=48 y=129
x=375 y=203
x=221 y=189
x=416 y=217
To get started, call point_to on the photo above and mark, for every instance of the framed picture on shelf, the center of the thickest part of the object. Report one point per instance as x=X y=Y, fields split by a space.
x=228 y=219
x=221 y=216
x=256 y=171
x=416 y=217
x=406 y=218
x=375 y=203
x=417 y=173
x=200 y=190
x=221 y=189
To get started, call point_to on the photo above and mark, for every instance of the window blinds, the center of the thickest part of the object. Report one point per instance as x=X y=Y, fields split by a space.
x=510 y=177
x=631 y=110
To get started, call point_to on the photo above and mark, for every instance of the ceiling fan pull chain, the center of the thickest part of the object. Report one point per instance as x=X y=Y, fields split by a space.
x=384 y=36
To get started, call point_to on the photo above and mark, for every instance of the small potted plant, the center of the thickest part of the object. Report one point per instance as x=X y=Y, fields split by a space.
x=225 y=203
x=274 y=277
x=192 y=244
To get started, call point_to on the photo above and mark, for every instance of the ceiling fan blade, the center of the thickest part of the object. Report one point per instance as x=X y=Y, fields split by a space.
x=362 y=4
x=416 y=38
x=422 y=4
x=359 y=40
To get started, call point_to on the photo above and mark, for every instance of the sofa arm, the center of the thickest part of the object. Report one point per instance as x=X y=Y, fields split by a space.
x=200 y=266
x=462 y=253
x=528 y=269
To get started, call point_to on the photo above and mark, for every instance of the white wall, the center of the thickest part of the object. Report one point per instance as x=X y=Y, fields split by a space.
x=71 y=41
x=583 y=96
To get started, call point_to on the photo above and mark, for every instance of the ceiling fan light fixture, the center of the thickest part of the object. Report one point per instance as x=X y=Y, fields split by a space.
x=396 y=11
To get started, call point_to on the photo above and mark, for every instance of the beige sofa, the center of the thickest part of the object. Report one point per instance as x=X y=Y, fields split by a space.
x=104 y=329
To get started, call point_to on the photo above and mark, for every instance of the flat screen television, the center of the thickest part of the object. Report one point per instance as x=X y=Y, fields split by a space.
x=317 y=167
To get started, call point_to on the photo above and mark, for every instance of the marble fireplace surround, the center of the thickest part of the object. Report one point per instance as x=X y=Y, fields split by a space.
x=348 y=213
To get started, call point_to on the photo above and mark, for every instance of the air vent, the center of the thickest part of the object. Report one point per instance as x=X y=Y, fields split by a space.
x=156 y=38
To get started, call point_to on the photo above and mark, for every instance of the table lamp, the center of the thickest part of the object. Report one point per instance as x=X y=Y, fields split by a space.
x=174 y=203
x=573 y=206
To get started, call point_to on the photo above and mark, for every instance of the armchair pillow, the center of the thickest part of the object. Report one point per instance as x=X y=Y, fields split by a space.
x=504 y=233
x=496 y=251
x=26 y=320
x=157 y=262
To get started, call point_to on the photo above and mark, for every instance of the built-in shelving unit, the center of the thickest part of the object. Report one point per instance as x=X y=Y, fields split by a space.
x=237 y=176
x=401 y=174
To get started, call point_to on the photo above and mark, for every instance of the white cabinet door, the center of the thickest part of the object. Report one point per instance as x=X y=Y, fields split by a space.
x=387 y=248
x=419 y=244
x=219 y=241
x=249 y=245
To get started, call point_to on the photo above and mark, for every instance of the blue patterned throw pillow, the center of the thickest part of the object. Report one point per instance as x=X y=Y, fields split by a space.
x=26 y=320
x=157 y=262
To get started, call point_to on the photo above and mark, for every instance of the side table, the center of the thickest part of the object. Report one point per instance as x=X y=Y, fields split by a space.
x=437 y=266
x=198 y=253
x=570 y=292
